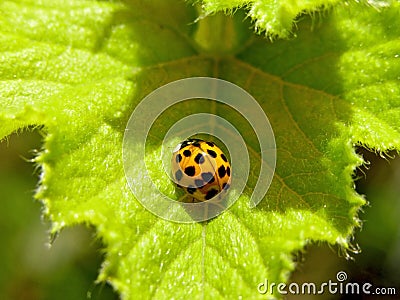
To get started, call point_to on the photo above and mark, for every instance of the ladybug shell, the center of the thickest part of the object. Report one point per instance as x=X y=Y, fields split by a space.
x=201 y=169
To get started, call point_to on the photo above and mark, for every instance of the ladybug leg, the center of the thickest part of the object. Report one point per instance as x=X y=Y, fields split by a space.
x=182 y=198
x=194 y=200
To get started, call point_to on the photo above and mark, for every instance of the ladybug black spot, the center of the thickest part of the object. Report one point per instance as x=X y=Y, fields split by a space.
x=187 y=153
x=212 y=153
x=224 y=157
x=210 y=194
x=211 y=144
x=228 y=171
x=196 y=144
x=191 y=189
x=178 y=158
x=190 y=171
x=225 y=186
x=183 y=145
x=199 y=159
x=208 y=177
x=199 y=183
x=221 y=171
x=178 y=175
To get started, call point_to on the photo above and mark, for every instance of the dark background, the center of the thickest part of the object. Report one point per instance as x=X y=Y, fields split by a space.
x=29 y=268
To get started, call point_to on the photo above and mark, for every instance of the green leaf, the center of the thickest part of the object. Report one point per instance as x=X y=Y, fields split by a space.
x=275 y=18
x=79 y=68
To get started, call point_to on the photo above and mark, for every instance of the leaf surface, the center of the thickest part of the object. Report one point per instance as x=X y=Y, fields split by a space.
x=79 y=68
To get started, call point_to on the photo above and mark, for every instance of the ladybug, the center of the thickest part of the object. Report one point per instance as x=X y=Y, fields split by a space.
x=201 y=169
